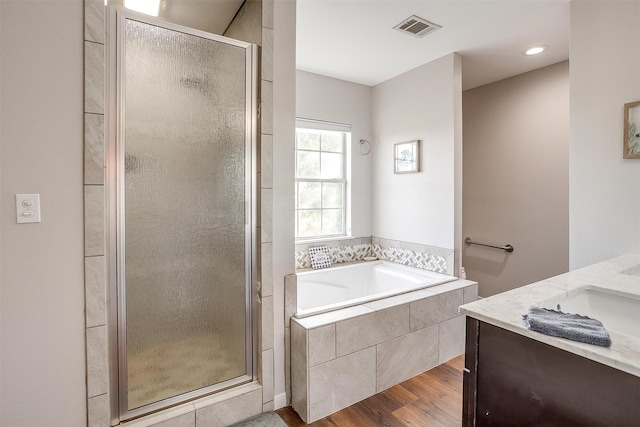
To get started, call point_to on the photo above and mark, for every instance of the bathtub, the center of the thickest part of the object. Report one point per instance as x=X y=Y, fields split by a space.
x=320 y=291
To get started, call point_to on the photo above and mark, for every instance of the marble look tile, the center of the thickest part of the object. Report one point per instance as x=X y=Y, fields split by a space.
x=94 y=20
x=452 y=335
x=95 y=279
x=399 y=299
x=267 y=54
x=438 y=308
x=97 y=369
x=322 y=344
x=267 y=375
x=405 y=357
x=269 y=407
x=341 y=382
x=290 y=297
x=451 y=286
x=299 y=369
x=267 y=13
x=258 y=310
x=364 y=331
x=230 y=411
x=266 y=161
x=98 y=408
x=266 y=215
x=93 y=78
x=267 y=419
x=94 y=149
x=334 y=316
x=267 y=323
x=178 y=416
x=186 y=420
x=266 y=260
x=416 y=247
x=287 y=354
x=470 y=294
x=451 y=264
x=94 y=220
x=266 y=107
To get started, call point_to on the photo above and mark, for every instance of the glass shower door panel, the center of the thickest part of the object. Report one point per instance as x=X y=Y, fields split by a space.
x=184 y=212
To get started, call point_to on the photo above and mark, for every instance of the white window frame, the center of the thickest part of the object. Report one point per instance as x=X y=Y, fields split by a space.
x=345 y=180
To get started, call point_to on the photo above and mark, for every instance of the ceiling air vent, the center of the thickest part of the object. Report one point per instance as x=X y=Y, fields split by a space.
x=417 y=26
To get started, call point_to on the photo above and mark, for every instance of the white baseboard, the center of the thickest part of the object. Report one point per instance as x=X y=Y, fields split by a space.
x=280 y=401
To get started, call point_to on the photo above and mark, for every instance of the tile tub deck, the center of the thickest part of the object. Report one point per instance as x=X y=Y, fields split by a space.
x=342 y=357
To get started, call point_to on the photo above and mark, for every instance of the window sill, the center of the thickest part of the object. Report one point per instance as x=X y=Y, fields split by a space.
x=323 y=239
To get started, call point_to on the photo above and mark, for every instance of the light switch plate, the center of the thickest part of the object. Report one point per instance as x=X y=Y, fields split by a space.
x=27 y=208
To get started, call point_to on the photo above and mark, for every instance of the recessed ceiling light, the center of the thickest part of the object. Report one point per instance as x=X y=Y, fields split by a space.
x=534 y=50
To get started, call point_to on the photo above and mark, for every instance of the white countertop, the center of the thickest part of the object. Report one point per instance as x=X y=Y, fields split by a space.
x=505 y=310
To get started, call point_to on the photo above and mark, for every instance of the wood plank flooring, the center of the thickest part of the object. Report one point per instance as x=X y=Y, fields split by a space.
x=433 y=398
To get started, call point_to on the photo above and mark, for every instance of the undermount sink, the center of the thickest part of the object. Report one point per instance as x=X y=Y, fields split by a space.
x=619 y=313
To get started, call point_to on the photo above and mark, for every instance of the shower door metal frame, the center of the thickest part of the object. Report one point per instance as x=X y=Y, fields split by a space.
x=115 y=216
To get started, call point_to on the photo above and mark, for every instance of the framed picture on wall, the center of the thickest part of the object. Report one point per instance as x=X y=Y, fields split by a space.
x=406 y=157
x=631 y=130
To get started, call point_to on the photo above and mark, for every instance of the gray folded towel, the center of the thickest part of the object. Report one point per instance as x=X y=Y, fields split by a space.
x=565 y=325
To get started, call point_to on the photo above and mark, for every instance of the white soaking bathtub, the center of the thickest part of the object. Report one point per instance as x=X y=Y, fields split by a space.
x=329 y=289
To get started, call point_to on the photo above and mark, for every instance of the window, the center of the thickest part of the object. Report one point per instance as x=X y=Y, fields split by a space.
x=321 y=182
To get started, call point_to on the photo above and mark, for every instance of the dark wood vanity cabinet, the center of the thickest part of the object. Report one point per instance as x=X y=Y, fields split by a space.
x=512 y=380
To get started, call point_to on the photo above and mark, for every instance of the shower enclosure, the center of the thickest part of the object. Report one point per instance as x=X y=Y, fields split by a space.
x=183 y=211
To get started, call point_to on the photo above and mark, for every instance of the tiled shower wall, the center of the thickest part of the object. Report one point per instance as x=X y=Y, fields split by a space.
x=431 y=258
x=98 y=405
x=226 y=407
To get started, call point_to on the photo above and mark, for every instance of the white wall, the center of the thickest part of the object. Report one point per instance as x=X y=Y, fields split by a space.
x=424 y=104
x=41 y=282
x=516 y=178
x=324 y=98
x=604 y=196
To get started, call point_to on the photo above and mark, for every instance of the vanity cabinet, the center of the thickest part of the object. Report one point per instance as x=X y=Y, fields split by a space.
x=512 y=380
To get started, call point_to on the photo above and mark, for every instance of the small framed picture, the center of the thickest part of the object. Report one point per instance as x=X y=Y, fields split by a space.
x=631 y=137
x=406 y=157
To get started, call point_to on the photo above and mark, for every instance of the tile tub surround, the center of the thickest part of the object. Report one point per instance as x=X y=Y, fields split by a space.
x=341 y=357
x=426 y=257
x=505 y=310
x=344 y=250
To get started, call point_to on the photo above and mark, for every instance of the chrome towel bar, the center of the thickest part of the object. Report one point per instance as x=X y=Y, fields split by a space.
x=506 y=248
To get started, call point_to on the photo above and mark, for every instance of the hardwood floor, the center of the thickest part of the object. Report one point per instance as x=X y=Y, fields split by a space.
x=433 y=398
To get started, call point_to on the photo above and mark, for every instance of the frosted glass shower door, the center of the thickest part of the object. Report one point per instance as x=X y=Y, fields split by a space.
x=184 y=221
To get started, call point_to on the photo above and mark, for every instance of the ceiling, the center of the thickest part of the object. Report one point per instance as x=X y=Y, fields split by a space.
x=354 y=40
